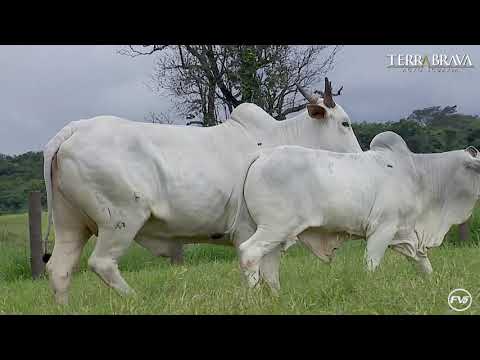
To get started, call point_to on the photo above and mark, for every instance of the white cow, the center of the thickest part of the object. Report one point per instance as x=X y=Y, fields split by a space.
x=165 y=186
x=388 y=195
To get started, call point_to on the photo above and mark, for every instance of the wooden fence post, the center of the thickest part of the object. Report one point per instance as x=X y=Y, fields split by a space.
x=35 y=229
x=464 y=231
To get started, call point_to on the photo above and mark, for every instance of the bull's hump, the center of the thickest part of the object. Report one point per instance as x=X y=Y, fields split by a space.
x=251 y=115
x=389 y=140
x=106 y=118
x=99 y=122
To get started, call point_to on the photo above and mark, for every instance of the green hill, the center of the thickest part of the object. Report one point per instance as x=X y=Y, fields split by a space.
x=18 y=176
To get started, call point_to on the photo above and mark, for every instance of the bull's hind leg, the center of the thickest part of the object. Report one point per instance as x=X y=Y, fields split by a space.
x=269 y=264
x=252 y=251
x=71 y=235
x=113 y=240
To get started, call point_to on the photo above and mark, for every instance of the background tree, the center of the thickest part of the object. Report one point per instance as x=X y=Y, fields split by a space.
x=161 y=118
x=209 y=81
x=428 y=130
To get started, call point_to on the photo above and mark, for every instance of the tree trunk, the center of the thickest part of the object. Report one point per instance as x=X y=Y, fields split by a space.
x=210 y=118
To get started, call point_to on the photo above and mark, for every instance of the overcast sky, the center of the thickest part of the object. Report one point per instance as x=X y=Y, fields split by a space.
x=42 y=88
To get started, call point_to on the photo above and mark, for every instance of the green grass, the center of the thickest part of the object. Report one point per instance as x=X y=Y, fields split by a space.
x=210 y=282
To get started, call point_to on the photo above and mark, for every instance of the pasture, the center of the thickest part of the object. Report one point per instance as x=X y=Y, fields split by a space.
x=210 y=281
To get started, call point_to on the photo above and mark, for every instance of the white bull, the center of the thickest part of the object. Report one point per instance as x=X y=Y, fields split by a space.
x=388 y=195
x=165 y=186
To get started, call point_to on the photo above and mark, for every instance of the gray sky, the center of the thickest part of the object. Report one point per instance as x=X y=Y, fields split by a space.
x=42 y=88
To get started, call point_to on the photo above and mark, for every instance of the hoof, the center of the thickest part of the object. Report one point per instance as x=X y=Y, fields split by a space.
x=61 y=299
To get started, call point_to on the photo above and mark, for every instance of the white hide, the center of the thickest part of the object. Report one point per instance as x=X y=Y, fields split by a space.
x=388 y=195
x=163 y=185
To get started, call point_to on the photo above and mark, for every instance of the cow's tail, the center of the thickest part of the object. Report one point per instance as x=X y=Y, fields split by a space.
x=49 y=153
x=241 y=200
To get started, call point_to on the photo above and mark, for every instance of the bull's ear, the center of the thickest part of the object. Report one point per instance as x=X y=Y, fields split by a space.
x=317 y=111
x=473 y=162
x=472 y=151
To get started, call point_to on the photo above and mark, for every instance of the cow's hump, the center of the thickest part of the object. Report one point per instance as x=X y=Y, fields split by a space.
x=390 y=141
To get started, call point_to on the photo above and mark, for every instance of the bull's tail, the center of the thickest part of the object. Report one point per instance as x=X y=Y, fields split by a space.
x=241 y=199
x=49 y=153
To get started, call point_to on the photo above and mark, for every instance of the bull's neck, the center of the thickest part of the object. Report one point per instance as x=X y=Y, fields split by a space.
x=436 y=172
x=292 y=131
x=439 y=194
x=297 y=130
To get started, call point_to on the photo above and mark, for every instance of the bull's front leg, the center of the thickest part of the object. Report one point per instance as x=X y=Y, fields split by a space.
x=409 y=248
x=377 y=243
x=176 y=254
x=173 y=249
x=289 y=243
x=270 y=268
x=423 y=265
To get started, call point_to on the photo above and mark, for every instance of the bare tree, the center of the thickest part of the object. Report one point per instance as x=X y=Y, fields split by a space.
x=211 y=80
x=160 y=118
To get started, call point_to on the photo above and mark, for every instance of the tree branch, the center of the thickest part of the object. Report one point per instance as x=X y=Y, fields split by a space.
x=292 y=110
x=132 y=52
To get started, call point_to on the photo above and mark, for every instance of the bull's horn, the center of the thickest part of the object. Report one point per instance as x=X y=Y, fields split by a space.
x=327 y=95
x=311 y=98
x=319 y=92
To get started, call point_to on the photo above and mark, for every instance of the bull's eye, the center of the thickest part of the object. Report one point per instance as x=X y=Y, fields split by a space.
x=346 y=124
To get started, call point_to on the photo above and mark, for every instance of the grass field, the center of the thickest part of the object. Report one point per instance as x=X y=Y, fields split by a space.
x=210 y=282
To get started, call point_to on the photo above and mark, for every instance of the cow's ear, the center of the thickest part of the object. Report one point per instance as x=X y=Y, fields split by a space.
x=317 y=111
